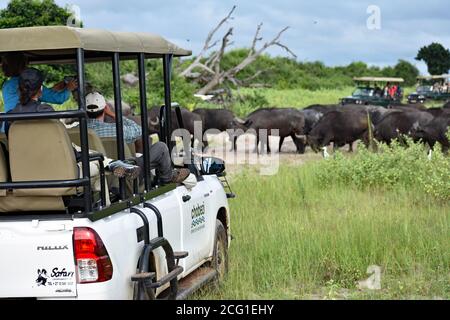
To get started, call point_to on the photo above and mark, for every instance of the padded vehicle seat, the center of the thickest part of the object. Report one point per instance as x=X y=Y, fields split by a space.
x=95 y=143
x=39 y=150
x=110 y=144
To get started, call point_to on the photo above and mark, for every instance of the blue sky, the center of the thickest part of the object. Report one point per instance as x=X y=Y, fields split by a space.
x=334 y=32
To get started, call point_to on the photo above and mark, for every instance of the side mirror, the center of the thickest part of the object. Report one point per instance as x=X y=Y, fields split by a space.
x=211 y=165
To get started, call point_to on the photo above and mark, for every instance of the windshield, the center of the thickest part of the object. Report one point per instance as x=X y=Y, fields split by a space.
x=364 y=92
x=424 y=89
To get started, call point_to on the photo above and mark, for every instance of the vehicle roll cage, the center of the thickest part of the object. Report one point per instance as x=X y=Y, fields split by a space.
x=81 y=115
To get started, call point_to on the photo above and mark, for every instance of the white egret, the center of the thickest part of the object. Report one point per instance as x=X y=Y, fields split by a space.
x=325 y=153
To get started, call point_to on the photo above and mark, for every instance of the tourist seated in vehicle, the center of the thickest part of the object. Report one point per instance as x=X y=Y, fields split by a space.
x=30 y=92
x=160 y=160
x=437 y=87
x=399 y=92
x=386 y=89
x=378 y=92
x=13 y=64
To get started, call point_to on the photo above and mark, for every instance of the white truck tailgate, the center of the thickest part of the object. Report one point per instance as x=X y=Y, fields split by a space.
x=36 y=259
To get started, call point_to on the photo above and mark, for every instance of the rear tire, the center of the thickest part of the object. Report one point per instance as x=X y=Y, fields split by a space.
x=220 y=255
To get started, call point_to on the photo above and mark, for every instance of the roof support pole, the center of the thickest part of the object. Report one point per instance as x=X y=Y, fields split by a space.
x=144 y=120
x=119 y=119
x=83 y=131
x=167 y=130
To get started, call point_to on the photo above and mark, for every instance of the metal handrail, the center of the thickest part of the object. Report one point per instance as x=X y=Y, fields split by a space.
x=43 y=115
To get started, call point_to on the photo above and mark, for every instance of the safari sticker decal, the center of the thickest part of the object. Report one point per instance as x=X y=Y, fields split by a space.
x=59 y=278
x=198 y=215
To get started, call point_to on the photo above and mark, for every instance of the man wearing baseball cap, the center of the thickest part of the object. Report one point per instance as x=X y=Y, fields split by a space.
x=97 y=109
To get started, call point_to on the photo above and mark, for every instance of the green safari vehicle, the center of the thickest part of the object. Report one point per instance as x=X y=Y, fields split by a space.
x=373 y=91
x=431 y=88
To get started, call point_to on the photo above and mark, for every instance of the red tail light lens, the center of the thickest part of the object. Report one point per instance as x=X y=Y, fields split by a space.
x=91 y=257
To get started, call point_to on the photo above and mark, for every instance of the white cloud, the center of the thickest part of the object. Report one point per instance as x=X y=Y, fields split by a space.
x=334 y=32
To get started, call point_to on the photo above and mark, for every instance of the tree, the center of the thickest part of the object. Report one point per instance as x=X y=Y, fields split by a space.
x=30 y=13
x=404 y=69
x=210 y=73
x=436 y=57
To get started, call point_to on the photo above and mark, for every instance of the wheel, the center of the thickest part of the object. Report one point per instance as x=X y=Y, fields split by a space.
x=220 y=255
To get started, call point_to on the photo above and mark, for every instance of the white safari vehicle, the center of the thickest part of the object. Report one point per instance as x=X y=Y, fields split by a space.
x=62 y=234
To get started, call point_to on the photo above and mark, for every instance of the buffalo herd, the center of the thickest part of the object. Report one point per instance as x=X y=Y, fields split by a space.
x=318 y=126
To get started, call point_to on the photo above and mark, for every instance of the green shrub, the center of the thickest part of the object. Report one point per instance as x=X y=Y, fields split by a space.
x=391 y=167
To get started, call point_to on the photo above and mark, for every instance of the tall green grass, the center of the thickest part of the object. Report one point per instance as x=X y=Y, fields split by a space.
x=300 y=98
x=300 y=236
x=295 y=98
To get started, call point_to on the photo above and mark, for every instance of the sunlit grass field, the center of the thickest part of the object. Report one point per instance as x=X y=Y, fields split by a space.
x=300 y=98
x=294 y=239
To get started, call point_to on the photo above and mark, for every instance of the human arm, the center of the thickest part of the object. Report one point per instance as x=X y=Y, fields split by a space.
x=10 y=92
x=131 y=131
x=60 y=92
x=53 y=96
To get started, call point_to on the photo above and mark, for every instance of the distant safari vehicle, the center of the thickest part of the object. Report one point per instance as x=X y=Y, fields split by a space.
x=431 y=88
x=375 y=91
x=61 y=237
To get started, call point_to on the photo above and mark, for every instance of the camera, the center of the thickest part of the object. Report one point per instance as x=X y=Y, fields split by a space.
x=67 y=79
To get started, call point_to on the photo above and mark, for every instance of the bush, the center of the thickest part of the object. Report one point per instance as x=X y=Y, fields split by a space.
x=391 y=167
x=100 y=76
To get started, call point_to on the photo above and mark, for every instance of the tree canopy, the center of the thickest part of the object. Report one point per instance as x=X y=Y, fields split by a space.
x=437 y=58
x=29 y=13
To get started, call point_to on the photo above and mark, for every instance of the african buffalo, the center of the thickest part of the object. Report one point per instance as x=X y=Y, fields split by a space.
x=340 y=127
x=221 y=120
x=154 y=122
x=399 y=122
x=434 y=131
x=290 y=123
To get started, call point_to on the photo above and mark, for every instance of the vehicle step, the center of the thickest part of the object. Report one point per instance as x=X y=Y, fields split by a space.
x=143 y=276
x=195 y=281
x=180 y=255
x=167 y=278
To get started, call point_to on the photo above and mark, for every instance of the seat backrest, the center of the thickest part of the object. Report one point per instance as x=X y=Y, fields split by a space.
x=40 y=150
x=110 y=144
x=132 y=148
x=95 y=144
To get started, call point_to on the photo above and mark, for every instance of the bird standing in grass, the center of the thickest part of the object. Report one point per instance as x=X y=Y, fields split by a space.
x=430 y=155
x=325 y=153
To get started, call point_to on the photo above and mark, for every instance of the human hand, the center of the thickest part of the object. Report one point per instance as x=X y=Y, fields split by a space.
x=72 y=85
x=109 y=112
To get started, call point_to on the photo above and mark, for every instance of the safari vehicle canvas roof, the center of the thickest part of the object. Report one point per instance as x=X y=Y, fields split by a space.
x=378 y=79
x=57 y=43
x=443 y=76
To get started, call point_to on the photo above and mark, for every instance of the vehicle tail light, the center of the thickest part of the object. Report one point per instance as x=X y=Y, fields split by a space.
x=91 y=257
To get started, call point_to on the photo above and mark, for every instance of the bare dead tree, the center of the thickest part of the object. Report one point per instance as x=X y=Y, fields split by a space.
x=230 y=74
x=207 y=46
x=211 y=74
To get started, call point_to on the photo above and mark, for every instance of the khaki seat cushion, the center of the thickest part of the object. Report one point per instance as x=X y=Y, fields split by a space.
x=40 y=150
x=110 y=144
x=12 y=203
x=95 y=143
